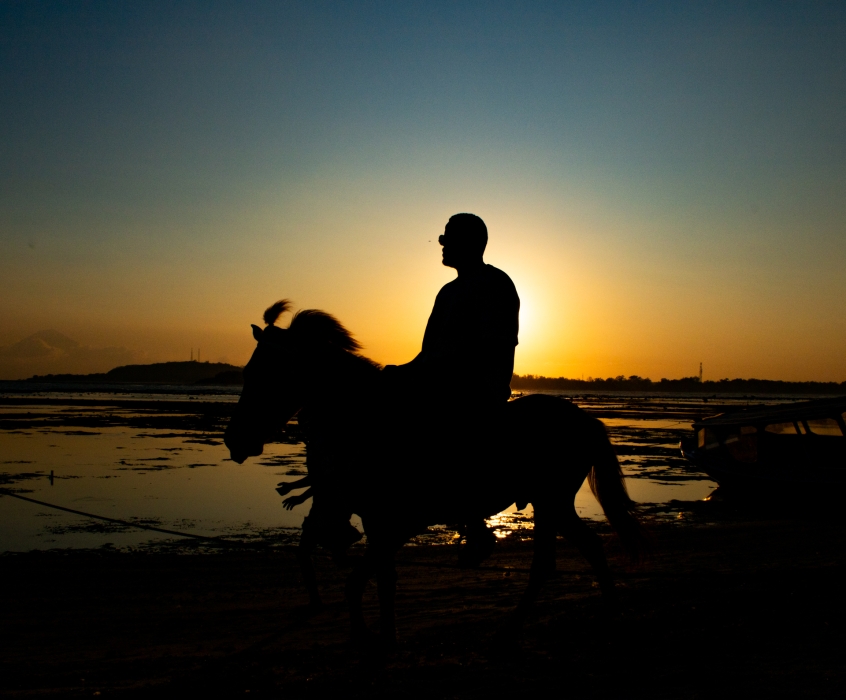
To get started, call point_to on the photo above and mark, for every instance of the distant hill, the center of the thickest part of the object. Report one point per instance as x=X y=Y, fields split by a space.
x=157 y=373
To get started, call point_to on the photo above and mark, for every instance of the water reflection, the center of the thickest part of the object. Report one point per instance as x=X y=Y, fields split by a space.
x=181 y=482
x=164 y=464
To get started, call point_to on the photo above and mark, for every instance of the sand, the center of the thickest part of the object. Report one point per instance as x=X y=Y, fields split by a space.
x=736 y=599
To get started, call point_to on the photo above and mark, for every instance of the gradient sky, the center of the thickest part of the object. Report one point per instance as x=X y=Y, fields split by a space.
x=664 y=182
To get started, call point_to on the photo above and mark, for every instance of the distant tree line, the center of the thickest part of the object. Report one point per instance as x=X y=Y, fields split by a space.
x=213 y=373
x=531 y=382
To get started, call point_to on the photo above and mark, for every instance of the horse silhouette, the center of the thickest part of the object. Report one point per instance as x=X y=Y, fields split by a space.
x=374 y=460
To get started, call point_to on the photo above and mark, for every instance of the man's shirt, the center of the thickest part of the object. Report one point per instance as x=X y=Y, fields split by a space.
x=472 y=332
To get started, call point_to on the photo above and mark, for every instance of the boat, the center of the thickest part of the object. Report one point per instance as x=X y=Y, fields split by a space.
x=772 y=447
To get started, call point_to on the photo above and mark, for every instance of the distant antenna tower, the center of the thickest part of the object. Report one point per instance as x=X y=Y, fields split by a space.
x=700 y=372
x=198 y=354
x=192 y=354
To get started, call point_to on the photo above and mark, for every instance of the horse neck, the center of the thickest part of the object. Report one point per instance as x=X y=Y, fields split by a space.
x=338 y=389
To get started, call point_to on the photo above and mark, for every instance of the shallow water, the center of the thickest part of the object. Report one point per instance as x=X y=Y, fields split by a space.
x=177 y=481
x=117 y=461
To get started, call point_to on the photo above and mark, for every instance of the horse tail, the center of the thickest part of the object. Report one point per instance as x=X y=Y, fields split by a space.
x=607 y=484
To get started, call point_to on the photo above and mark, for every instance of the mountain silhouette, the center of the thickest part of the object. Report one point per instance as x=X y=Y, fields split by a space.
x=51 y=352
x=42 y=344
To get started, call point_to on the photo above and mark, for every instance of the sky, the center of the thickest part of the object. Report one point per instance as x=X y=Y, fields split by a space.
x=664 y=182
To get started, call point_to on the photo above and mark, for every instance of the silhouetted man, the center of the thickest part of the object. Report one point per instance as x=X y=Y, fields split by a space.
x=472 y=331
x=468 y=346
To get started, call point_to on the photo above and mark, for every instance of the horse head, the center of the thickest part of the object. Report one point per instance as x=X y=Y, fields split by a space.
x=281 y=373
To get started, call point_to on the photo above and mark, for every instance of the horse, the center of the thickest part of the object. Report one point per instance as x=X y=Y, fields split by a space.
x=539 y=451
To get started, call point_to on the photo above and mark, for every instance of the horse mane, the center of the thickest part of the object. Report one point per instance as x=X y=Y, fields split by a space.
x=275 y=311
x=324 y=328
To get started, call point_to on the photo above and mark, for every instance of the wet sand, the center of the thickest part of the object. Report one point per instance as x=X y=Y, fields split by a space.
x=732 y=602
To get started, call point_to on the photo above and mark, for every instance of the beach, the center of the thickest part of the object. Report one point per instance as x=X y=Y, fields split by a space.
x=737 y=593
x=754 y=603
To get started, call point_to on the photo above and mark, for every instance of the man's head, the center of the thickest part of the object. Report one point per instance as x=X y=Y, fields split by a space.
x=464 y=239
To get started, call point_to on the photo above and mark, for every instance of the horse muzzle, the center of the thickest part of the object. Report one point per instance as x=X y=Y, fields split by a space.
x=242 y=446
x=240 y=453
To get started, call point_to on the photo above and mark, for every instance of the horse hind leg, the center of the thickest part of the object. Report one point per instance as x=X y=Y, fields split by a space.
x=588 y=543
x=542 y=568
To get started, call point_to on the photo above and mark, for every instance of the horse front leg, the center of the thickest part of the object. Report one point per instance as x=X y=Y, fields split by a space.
x=378 y=559
x=305 y=549
x=386 y=583
x=354 y=592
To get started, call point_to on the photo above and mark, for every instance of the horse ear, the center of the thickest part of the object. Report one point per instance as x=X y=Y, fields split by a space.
x=256 y=332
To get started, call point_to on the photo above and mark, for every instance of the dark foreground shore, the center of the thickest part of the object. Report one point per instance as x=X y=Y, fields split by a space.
x=734 y=604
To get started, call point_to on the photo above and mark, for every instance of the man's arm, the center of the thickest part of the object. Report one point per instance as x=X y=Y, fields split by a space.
x=426 y=358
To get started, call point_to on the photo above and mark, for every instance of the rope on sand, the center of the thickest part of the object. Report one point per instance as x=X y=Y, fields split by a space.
x=212 y=540
x=237 y=543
